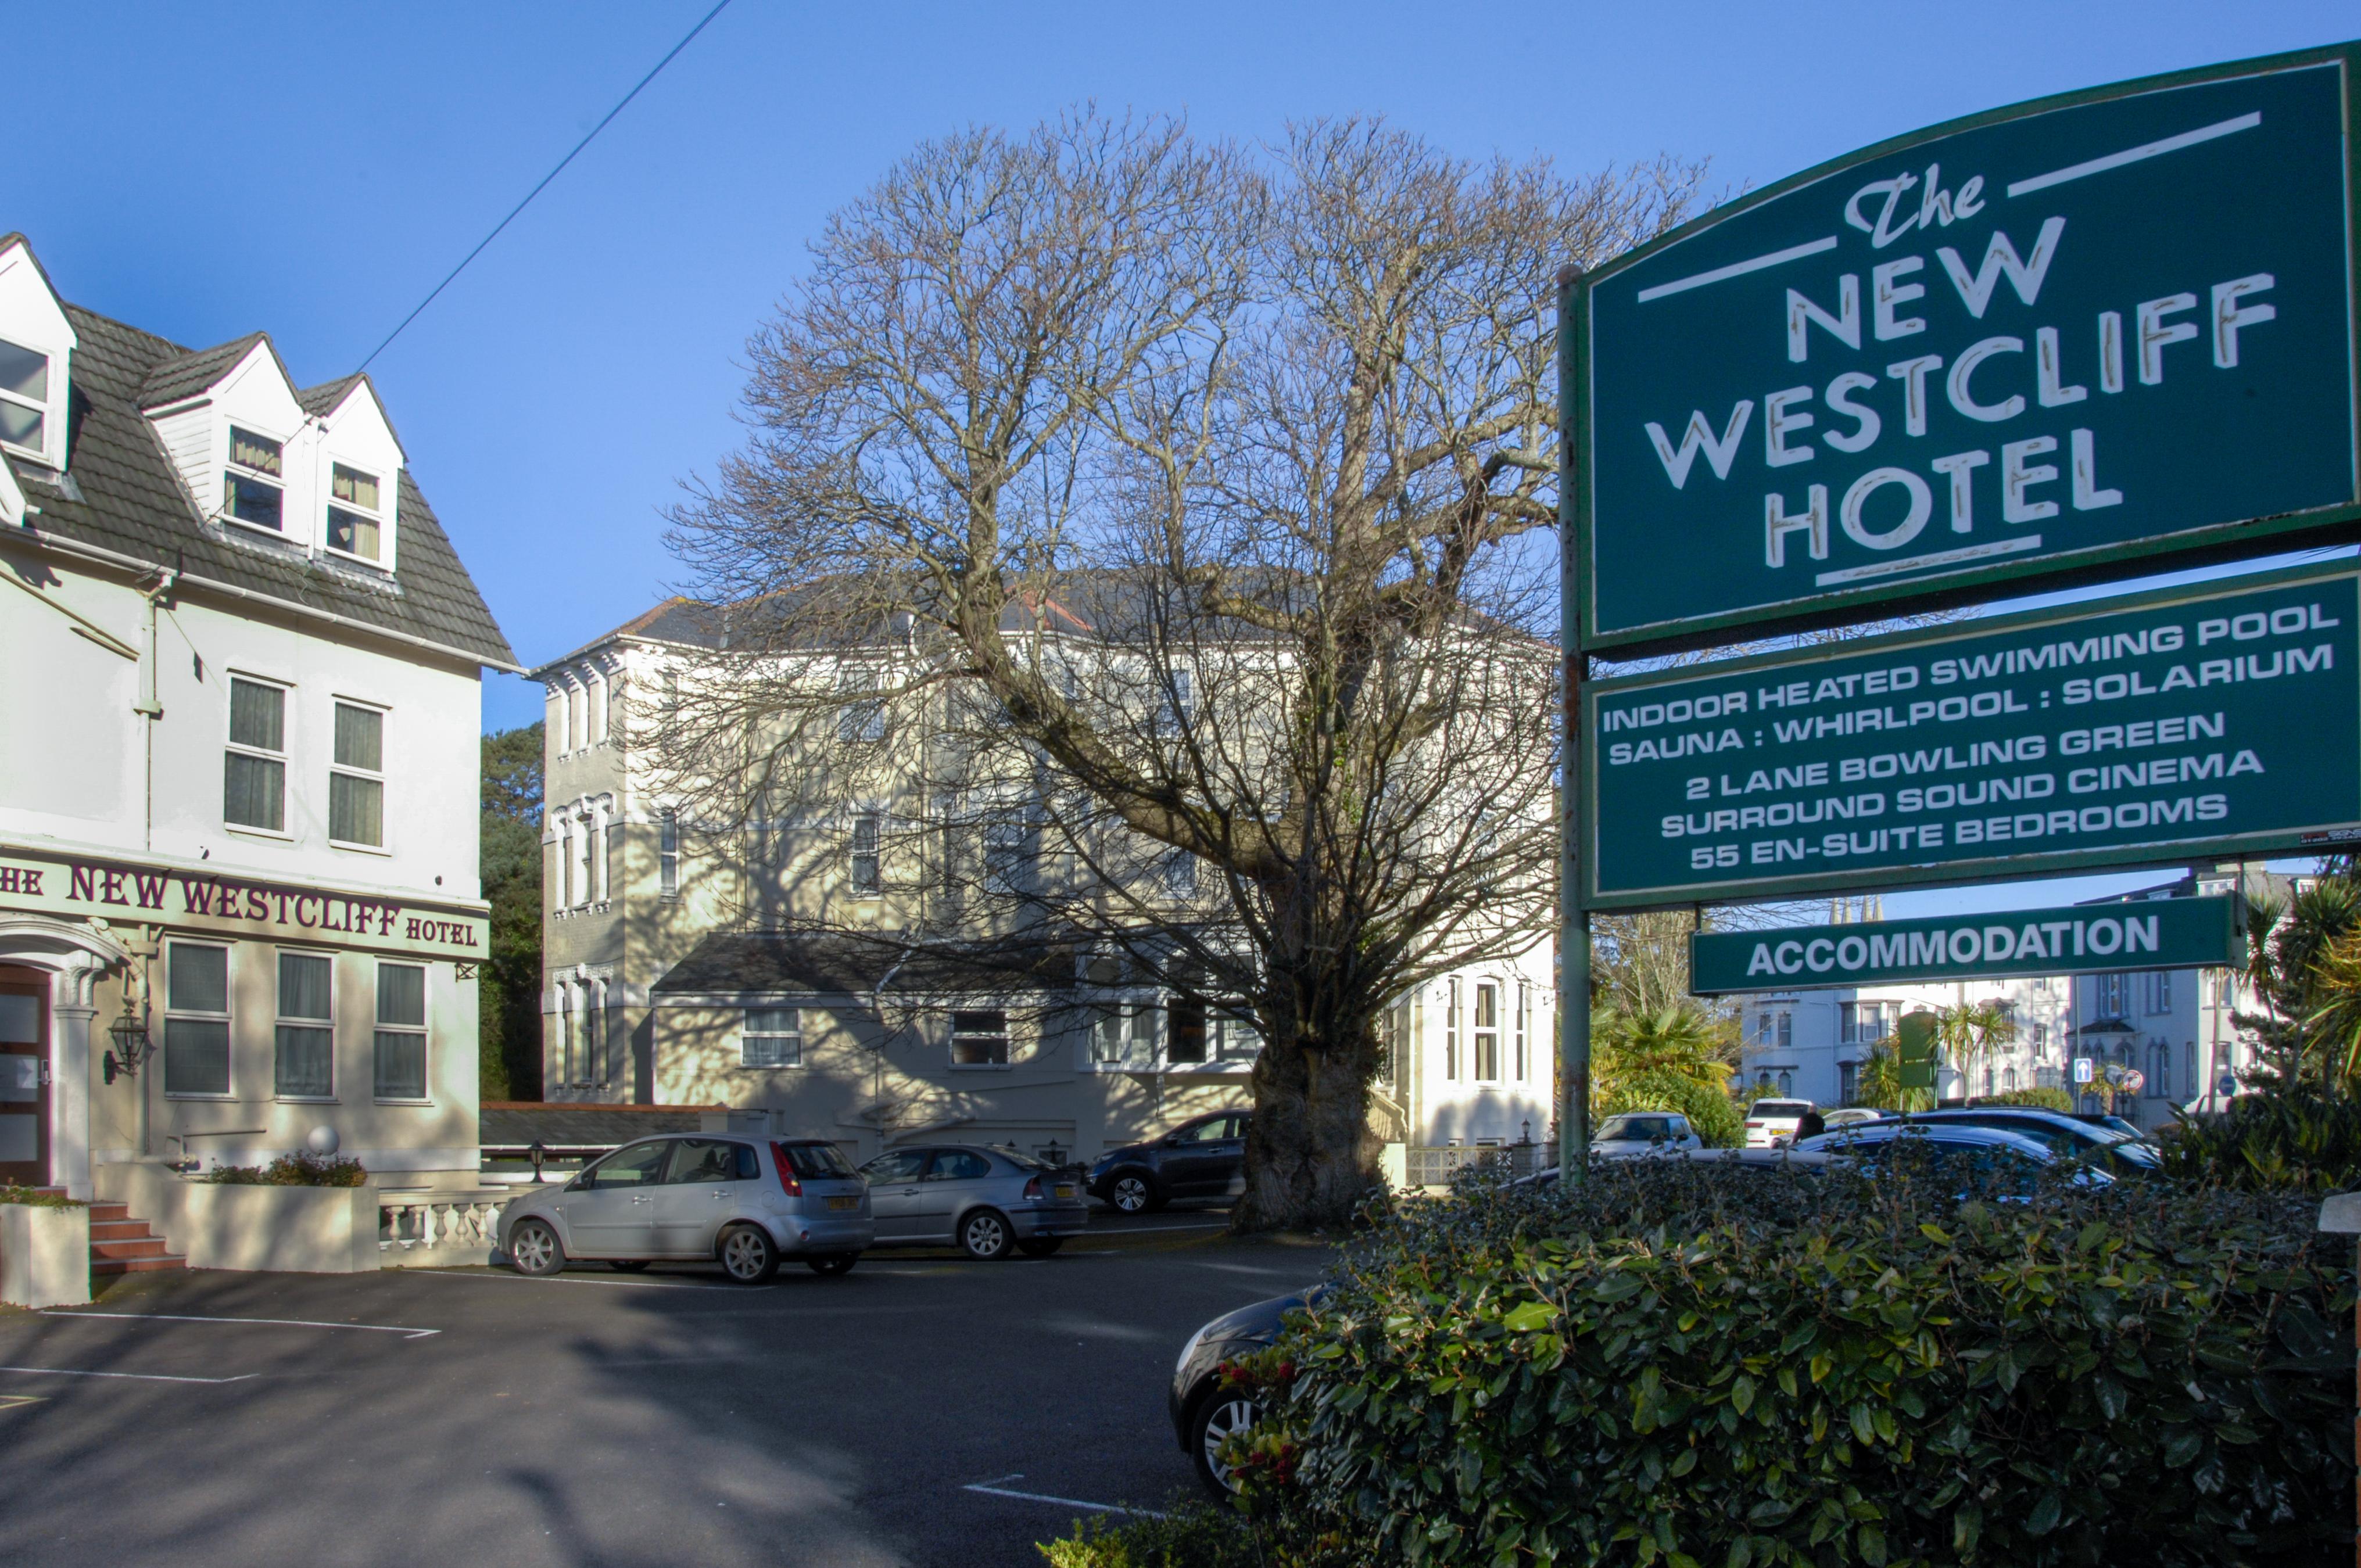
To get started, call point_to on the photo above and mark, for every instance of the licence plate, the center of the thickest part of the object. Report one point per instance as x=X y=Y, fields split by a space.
x=1066 y=1191
x=844 y=1202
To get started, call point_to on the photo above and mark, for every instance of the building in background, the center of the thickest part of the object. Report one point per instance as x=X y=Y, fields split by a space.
x=238 y=910
x=683 y=967
x=2175 y=1028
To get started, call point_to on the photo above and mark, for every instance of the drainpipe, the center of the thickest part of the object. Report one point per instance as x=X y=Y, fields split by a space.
x=151 y=705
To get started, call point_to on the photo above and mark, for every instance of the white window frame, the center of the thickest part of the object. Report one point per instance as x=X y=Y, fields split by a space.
x=230 y=465
x=873 y=886
x=668 y=853
x=280 y=1020
x=51 y=453
x=1133 y=1027
x=1485 y=1041
x=225 y=1019
x=284 y=756
x=747 y=1034
x=384 y=744
x=1007 y=1040
x=1451 y=1032
x=382 y=516
x=423 y=1030
x=1523 y=1025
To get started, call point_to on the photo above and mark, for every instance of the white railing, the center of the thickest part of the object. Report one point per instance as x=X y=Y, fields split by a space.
x=1433 y=1165
x=424 y=1227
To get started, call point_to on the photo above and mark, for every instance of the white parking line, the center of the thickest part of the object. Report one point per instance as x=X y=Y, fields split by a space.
x=561 y=1279
x=140 y=1376
x=991 y=1489
x=275 y=1322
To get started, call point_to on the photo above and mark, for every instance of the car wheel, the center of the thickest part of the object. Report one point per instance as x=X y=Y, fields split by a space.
x=1040 y=1247
x=748 y=1254
x=1220 y=1415
x=628 y=1265
x=833 y=1263
x=984 y=1234
x=534 y=1249
x=1133 y=1193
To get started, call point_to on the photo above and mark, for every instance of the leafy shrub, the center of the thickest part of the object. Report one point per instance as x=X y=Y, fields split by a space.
x=2294 y=1139
x=2039 y=1099
x=1191 y=1536
x=1710 y=1110
x=291 y=1170
x=1703 y=1365
x=35 y=1198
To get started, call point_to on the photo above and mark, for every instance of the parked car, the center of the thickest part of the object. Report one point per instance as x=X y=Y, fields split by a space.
x=1847 y=1115
x=2072 y=1137
x=1637 y=1133
x=1745 y=1159
x=987 y=1201
x=744 y=1202
x=1204 y=1413
x=1771 y=1123
x=1205 y=1156
x=1996 y=1152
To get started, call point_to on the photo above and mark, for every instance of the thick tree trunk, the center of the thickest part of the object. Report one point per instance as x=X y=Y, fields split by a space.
x=1310 y=1155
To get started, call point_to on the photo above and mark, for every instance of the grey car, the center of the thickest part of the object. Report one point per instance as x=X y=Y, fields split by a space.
x=743 y=1203
x=1638 y=1134
x=986 y=1201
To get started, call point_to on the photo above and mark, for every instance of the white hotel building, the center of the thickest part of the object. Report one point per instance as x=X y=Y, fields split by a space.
x=238 y=793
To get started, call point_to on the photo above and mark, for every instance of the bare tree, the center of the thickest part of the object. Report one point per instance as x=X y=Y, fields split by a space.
x=1176 y=529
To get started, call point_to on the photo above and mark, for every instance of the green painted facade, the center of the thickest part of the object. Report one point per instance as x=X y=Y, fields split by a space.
x=2202 y=722
x=2060 y=340
x=2083 y=938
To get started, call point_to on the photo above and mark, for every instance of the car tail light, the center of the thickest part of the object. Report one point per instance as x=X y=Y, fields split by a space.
x=787 y=1170
x=1033 y=1187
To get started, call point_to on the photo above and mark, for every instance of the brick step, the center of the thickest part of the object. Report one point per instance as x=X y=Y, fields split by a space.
x=151 y=1246
x=106 y=1266
x=119 y=1230
x=109 y=1213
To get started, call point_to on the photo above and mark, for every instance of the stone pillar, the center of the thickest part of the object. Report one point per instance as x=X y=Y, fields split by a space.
x=73 y=1010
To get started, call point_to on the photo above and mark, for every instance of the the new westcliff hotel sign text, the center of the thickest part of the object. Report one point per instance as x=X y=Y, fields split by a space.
x=191 y=898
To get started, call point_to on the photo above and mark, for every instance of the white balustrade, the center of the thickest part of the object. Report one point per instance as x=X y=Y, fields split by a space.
x=417 y=1228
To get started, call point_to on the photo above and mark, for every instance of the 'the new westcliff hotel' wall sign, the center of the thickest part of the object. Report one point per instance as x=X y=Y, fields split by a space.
x=2057 y=339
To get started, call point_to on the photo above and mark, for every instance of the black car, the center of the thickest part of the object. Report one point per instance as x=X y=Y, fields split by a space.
x=1205 y=1156
x=1203 y=1412
x=2090 y=1139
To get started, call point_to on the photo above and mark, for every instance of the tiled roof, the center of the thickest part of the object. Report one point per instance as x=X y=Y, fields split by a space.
x=843 y=964
x=186 y=374
x=122 y=494
x=515 y=1124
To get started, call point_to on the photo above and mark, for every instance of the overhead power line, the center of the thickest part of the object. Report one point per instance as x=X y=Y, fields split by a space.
x=624 y=102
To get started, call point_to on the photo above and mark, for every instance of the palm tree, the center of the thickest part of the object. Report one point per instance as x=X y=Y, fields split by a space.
x=1971 y=1030
x=1679 y=1038
x=2303 y=960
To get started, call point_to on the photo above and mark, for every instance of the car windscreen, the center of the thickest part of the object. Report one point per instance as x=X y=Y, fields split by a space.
x=1779 y=1108
x=816 y=1162
x=1633 y=1128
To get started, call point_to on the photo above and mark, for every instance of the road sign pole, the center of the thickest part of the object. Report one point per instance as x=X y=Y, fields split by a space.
x=1573 y=919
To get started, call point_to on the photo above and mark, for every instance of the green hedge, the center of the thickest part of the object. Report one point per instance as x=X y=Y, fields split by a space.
x=1713 y=1114
x=291 y=1170
x=2041 y=1098
x=1723 y=1367
x=2298 y=1140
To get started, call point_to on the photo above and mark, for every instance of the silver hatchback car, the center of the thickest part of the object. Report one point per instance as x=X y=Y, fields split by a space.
x=742 y=1203
x=987 y=1201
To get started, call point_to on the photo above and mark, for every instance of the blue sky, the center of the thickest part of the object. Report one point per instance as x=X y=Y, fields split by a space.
x=205 y=170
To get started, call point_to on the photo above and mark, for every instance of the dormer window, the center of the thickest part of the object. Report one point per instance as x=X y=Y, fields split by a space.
x=251 y=489
x=24 y=399
x=356 y=516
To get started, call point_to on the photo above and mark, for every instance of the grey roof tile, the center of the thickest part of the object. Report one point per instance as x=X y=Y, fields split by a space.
x=122 y=494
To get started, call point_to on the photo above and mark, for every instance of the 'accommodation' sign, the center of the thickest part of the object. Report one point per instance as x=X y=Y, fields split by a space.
x=188 y=899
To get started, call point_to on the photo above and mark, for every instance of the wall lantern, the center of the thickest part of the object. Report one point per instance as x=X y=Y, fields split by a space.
x=132 y=1047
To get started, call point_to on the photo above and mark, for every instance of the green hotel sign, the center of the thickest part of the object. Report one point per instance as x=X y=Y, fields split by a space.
x=2216 y=719
x=2049 y=343
x=2153 y=933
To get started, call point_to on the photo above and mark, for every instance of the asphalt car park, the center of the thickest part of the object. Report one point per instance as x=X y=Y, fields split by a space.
x=923 y=1409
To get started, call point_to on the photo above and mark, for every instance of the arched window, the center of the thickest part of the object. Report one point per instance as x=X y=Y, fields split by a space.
x=2160 y=1070
x=1786 y=1083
